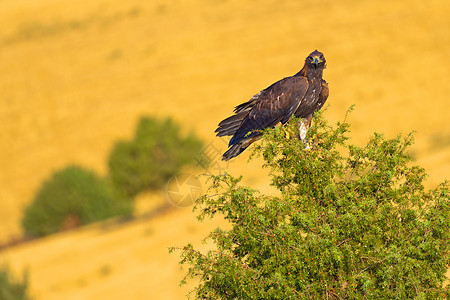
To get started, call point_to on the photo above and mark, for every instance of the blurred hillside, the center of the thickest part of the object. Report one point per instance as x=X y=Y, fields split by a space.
x=76 y=75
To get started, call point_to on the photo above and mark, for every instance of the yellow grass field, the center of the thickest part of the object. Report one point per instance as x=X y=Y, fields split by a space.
x=75 y=76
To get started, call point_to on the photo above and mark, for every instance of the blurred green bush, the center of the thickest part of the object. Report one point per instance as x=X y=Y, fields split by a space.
x=157 y=152
x=72 y=197
x=12 y=288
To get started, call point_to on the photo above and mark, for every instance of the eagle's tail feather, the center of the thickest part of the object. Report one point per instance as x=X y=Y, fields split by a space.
x=240 y=146
x=231 y=124
x=234 y=151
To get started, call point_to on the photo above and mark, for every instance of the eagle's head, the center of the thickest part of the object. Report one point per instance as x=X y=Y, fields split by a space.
x=315 y=60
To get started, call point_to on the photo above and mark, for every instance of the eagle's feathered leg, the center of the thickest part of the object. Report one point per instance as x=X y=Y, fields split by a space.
x=303 y=127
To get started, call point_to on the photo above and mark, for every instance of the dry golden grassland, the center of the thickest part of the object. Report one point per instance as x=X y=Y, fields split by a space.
x=76 y=75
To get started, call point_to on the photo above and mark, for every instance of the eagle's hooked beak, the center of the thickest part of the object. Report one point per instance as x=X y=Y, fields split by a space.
x=317 y=60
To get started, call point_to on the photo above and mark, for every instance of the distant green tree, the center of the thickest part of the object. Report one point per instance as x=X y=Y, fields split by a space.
x=157 y=152
x=350 y=222
x=73 y=196
x=12 y=288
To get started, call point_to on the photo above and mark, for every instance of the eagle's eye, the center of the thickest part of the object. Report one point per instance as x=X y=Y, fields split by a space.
x=310 y=58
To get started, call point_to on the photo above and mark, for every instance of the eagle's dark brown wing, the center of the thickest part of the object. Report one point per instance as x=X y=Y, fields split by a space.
x=307 y=109
x=274 y=105
x=231 y=124
x=323 y=94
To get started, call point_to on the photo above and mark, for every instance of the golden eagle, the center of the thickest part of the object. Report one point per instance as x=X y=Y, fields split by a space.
x=301 y=95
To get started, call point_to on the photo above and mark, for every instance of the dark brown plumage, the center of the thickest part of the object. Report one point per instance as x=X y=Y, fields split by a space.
x=301 y=95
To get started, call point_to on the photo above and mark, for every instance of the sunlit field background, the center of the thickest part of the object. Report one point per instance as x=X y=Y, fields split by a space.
x=75 y=76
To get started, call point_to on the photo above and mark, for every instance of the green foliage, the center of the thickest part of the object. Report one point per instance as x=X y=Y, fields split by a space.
x=157 y=153
x=350 y=223
x=72 y=197
x=12 y=288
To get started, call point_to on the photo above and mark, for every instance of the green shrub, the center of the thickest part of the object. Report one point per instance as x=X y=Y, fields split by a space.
x=157 y=153
x=350 y=222
x=72 y=197
x=12 y=288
